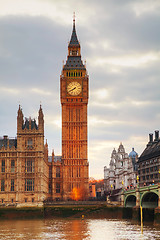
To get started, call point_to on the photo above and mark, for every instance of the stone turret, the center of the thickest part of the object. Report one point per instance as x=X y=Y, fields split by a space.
x=46 y=151
x=121 y=148
x=20 y=120
x=113 y=153
x=53 y=155
x=41 y=119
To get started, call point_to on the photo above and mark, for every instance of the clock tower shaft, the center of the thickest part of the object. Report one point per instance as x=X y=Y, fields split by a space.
x=74 y=101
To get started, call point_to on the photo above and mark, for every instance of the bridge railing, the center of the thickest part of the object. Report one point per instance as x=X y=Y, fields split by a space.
x=140 y=189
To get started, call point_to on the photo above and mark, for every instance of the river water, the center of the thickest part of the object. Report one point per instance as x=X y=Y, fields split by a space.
x=76 y=229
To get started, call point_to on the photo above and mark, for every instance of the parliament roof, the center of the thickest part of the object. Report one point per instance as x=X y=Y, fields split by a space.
x=74 y=62
x=33 y=124
x=152 y=150
x=5 y=142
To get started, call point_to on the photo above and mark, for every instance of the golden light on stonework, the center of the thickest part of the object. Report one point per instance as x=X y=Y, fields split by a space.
x=78 y=194
x=75 y=194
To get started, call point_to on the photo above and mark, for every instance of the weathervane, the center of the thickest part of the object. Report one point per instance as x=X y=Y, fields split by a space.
x=74 y=17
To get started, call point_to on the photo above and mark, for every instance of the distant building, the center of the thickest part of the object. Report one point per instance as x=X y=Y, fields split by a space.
x=148 y=162
x=122 y=170
x=92 y=190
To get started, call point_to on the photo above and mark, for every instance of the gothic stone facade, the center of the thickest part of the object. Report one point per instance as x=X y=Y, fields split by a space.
x=122 y=170
x=24 y=164
x=28 y=176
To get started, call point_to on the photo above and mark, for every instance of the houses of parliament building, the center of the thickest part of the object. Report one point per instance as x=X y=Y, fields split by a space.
x=28 y=176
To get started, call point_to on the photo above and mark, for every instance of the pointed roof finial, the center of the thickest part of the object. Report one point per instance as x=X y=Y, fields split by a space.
x=40 y=110
x=74 y=18
x=40 y=106
x=20 y=109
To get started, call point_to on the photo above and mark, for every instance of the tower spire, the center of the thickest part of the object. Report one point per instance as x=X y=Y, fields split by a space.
x=74 y=40
x=74 y=52
x=74 y=20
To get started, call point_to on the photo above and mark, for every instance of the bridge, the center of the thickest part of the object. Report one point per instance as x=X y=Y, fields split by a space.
x=147 y=197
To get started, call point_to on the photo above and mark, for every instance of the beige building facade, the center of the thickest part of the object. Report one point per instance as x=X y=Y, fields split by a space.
x=28 y=176
x=24 y=164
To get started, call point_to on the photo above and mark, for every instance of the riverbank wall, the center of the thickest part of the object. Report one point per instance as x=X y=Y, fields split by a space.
x=85 y=209
x=21 y=213
x=79 y=210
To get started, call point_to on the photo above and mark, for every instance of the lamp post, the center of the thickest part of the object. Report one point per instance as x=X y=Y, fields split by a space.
x=122 y=185
x=122 y=195
x=141 y=210
x=111 y=188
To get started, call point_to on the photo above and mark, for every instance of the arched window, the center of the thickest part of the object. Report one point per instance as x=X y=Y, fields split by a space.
x=29 y=143
x=74 y=52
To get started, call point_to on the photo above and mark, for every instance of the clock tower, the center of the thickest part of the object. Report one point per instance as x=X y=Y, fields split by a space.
x=74 y=101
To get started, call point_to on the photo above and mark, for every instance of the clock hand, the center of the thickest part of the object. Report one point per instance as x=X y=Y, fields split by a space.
x=72 y=89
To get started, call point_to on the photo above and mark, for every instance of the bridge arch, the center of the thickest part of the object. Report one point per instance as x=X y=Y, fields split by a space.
x=130 y=201
x=149 y=199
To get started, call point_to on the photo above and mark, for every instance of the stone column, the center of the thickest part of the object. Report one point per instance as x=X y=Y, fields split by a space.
x=137 y=198
x=159 y=195
x=122 y=198
x=157 y=210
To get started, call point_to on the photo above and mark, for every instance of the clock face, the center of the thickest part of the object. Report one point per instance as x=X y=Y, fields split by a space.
x=74 y=88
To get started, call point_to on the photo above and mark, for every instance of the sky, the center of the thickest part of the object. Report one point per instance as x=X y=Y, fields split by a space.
x=120 y=42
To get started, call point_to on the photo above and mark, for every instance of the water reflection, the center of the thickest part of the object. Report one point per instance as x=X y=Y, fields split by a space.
x=20 y=229
x=66 y=229
x=76 y=229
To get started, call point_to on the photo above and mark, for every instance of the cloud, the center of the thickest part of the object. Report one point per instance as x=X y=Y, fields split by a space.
x=13 y=91
x=145 y=7
x=40 y=91
x=33 y=8
x=136 y=60
x=58 y=11
x=53 y=120
x=119 y=40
